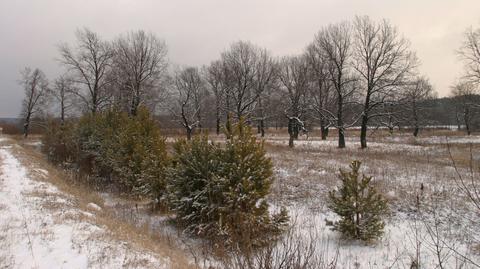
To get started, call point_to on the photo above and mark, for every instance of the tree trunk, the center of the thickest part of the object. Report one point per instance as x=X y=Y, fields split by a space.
x=26 y=125
x=323 y=130
x=341 y=138
x=467 y=127
x=363 y=132
x=415 y=132
x=228 y=126
x=199 y=119
x=291 y=131
x=457 y=117
x=290 y=141
x=218 y=125
x=262 y=128
x=189 y=133
x=417 y=128
x=135 y=104
x=466 y=118
x=341 y=131
x=94 y=101
x=62 y=113
x=26 y=129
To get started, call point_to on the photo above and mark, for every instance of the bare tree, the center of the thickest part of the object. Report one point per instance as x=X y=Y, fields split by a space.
x=215 y=78
x=265 y=81
x=416 y=94
x=294 y=79
x=90 y=63
x=248 y=71
x=334 y=43
x=383 y=60
x=190 y=95
x=464 y=92
x=140 y=63
x=63 y=94
x=470 y=53
x=391 y=113
x=35 y=85
x=322 y=93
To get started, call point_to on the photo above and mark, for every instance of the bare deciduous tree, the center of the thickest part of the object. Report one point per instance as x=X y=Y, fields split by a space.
x=470 y=53
x=35 y=85
x=334 y=43
x=265 y=81
x=140 y=62
x=322 y=95
x=90 y=63
x=215 y=78
x=294 y=79
x=416 y=94
x=463 y=92
x=63 y=94
x=384 y=62
x=190 y=95
x=248 y=71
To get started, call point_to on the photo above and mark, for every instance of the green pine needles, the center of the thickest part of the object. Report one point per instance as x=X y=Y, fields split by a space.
x=219 y=190
x=359 y=205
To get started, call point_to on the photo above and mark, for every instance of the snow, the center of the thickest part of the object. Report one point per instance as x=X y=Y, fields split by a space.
x=305 y=175
x=395 y=249
x=34 y=235
x=94 y=207
x=332 y=144
x=474 y=139
x=43 y=171
x=35 y=143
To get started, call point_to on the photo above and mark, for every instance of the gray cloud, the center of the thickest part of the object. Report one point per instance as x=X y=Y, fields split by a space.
x=197 y=31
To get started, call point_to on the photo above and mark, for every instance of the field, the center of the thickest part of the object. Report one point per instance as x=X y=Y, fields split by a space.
x=430 y=219
x=432 y=222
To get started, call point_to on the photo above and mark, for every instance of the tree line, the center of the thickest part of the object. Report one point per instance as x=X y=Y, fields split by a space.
x=354 y=73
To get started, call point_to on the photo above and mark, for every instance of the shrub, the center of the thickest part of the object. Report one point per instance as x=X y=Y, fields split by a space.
x=138 y=156
x=128 y=152
x=96 y=135
x=359 y=205
x=219 y=191
x=58 y=142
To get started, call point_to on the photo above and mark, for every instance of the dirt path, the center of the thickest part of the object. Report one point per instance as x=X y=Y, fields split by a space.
x=42 y=227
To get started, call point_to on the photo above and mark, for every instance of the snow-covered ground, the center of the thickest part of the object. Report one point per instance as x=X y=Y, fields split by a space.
x=37 y=230
x=305 y=174
x=41 y=227
x=331 y=145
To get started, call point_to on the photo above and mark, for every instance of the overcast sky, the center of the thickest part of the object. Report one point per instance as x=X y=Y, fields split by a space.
x=197 y=31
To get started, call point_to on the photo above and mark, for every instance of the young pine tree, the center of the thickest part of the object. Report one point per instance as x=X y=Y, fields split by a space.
x=359 y=205
x=244 y=214
x=219 y=191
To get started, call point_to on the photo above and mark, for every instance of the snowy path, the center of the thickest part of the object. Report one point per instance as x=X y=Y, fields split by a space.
x=40 y=227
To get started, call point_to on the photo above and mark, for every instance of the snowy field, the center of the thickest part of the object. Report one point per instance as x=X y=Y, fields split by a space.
x=431 y=220
x=428 y=220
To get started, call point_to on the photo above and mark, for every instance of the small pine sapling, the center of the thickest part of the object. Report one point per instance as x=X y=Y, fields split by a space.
x=359 y=205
